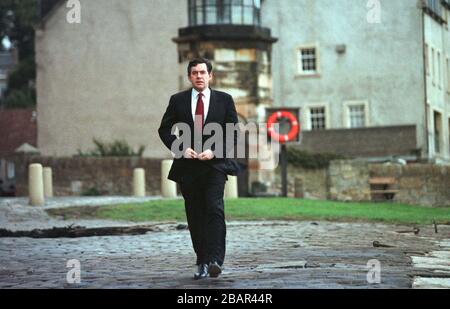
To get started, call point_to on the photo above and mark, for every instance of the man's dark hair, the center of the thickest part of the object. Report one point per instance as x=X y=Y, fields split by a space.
x=197 y=61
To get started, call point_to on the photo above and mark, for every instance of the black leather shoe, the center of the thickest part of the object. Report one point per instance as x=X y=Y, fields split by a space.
x=202 y=272
x=214 y=270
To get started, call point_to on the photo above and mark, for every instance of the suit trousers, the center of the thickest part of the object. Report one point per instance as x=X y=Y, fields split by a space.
x=204 y=205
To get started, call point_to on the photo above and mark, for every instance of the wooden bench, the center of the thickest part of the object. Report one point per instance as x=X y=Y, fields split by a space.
x=383 y=186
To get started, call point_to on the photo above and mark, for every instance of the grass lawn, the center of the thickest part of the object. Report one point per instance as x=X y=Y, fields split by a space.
x=268 y=209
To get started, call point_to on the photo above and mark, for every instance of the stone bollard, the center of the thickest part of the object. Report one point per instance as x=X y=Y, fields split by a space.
x=139 y=182
x=231 y=187
x=168 y=187
x=48 y=182
x=299 y=188
x=35 y=184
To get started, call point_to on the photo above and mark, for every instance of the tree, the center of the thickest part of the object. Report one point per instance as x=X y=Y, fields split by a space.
x=17 y=20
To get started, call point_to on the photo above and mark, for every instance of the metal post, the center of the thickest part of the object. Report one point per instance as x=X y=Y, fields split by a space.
x=283 y=161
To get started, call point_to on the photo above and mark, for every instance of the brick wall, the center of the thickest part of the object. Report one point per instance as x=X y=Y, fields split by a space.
x=17 y=126
x=73 y=176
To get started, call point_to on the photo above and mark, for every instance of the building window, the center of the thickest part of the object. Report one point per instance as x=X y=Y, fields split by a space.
x=219 y=12
x=434 y=9
x=317 y=119
x=434 y=5
x=210 y=13
x=446 y=3
x=439 y=72
x=433 y=67
x=357 y=116
x=427 y=60
x=445 y=17
x=447 y=72
x=437 y=131
x=308 y=60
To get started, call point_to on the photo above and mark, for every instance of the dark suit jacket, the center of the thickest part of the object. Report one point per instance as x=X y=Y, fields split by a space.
x=221 y=111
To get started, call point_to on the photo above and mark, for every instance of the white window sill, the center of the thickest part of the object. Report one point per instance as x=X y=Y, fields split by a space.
x=308 y=75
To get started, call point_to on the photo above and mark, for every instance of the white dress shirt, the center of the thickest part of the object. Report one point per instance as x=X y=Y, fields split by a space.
x=194 y=99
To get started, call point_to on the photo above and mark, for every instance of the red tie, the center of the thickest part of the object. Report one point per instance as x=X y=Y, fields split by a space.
x=199 y=112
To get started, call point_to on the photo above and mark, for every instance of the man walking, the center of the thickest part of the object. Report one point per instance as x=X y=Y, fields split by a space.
x=202 y=173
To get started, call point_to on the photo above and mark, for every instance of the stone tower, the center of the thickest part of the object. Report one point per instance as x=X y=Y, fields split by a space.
x=229 y=33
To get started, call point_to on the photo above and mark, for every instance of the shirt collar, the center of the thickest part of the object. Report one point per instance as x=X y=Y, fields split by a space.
x=206 y=93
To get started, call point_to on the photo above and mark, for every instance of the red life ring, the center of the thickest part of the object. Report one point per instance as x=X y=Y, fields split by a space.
x=283 y=138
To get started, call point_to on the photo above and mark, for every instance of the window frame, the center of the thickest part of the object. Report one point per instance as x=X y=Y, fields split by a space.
x=224 y=10
x=439 y=69
x=448 y=134
x=307 y=115
x=447 y=73
x=440 y=137
x=346 y=114
x=433 y=66
x=299 y=60
x=434 y=8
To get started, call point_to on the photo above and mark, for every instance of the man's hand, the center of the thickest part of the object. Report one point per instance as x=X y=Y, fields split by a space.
x=190 y=154
x=206 y=155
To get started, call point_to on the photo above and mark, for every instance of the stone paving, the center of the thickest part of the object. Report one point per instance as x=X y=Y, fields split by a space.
x=16 y=214
x=71 y=201
x=437 y=263
x=281 y=254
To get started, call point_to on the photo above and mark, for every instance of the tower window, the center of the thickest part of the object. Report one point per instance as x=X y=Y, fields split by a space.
x=218 y=12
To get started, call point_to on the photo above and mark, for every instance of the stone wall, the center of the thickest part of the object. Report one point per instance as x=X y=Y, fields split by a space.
x=348 y=180
x=314 y=182
x=423 y=184
x=75 y=176
x=344 y=180
x=418 y=184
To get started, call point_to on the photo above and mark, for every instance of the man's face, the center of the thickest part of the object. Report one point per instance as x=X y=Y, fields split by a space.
x=200 y=77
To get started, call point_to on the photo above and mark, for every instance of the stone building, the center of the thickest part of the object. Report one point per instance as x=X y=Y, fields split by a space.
x=371 y=78
x=349 y=74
